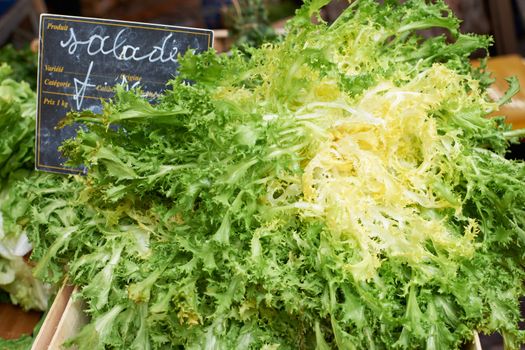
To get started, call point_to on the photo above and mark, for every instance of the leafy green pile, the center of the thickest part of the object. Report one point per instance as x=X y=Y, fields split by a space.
x=22 y=343
x=23 y=62
x=17 y=124
x=249 y=24
x=339 y=190
x=17 y=139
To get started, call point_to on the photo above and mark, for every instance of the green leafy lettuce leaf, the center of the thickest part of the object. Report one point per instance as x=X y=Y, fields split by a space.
x=341 y=189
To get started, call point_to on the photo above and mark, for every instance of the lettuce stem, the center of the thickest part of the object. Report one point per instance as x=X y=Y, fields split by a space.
x=520 y=133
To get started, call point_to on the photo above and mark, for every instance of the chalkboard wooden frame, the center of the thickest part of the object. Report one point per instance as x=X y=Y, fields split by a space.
x=80 y=61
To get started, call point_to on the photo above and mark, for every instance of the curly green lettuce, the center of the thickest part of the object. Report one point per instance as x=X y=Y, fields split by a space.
x=341 y=189
x=17 y=138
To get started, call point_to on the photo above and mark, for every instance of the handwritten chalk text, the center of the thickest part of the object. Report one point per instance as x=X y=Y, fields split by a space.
x=105 y=45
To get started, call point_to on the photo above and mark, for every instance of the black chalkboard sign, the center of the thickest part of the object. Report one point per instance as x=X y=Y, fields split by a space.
x=82 y=59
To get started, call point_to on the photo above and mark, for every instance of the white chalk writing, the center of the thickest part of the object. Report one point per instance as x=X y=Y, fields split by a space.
x=98 y=44
x=81 y=87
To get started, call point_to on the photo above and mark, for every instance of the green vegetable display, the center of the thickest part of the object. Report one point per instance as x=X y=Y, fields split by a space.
x=17 y=139
x=341 y=189
x=17 y=124
x=23 y=343
x=23 y=62
x=249 y=24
